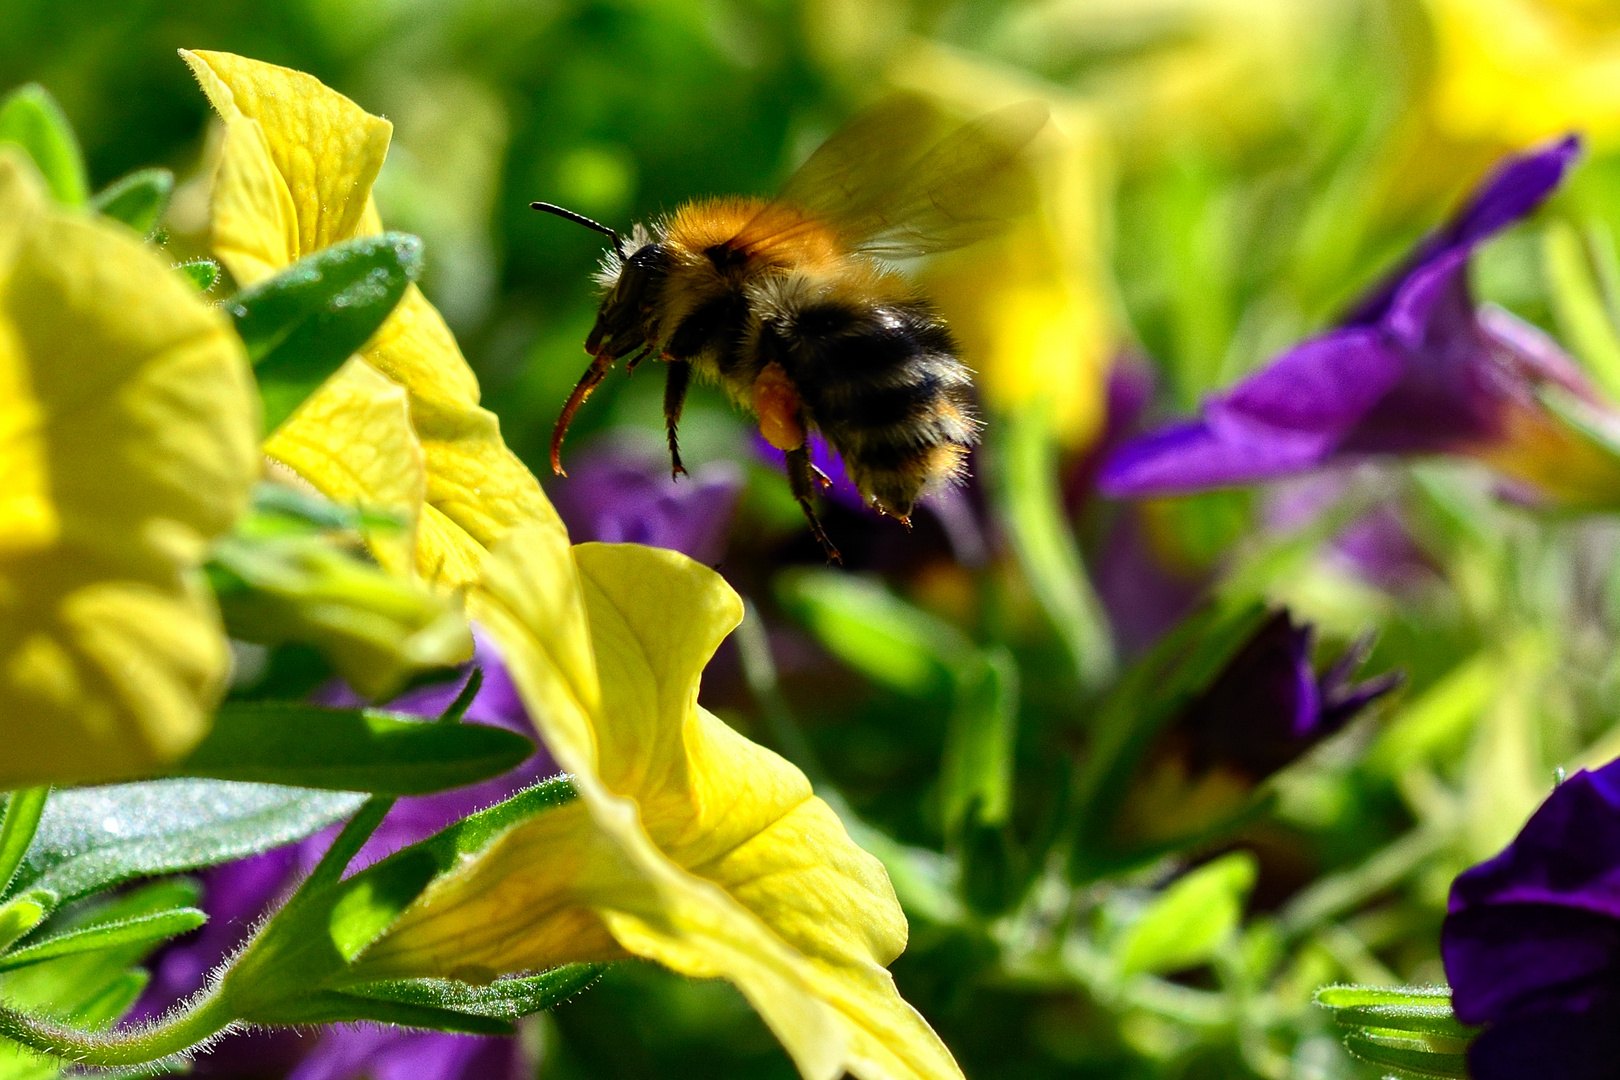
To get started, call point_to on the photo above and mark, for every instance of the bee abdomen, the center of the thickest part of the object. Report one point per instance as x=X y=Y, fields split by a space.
x=885 y=385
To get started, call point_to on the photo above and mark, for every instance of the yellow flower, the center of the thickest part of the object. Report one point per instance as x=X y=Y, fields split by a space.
x=689 y=845
x=295 y=175
x=1034 y=307
x=128 y=430
x=1512 y=72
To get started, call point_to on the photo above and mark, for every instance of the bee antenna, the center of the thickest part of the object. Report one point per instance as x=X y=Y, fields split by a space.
x=581 y=219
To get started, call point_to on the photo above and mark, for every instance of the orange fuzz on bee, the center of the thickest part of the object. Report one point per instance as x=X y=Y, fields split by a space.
x=789 y=306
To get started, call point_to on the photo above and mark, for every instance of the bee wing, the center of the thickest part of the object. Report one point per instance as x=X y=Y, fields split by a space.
x=894 y=184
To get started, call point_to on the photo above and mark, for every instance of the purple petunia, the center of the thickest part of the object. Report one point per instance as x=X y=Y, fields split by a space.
x=238 y=894
x=620 y=498
x=1418 y=367
x=1267 y=707
x=1531 y=941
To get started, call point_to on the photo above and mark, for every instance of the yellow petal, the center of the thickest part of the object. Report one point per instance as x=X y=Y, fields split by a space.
x=1512 y=72
x=690 y=845
x=295 y=175
x=130 y=406
x=355 y=434
x=1032 y=308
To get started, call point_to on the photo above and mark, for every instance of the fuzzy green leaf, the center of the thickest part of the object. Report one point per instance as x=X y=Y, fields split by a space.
x=200 y=272
x=504 y=999
x=92 y=838
x=141 y=930
x=138 y=200
x=301 y=325
x=1409 y=1058
x=350 y=749
x=31 y=118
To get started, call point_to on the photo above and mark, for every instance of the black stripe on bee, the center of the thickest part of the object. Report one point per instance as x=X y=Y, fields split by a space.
x=715 y=326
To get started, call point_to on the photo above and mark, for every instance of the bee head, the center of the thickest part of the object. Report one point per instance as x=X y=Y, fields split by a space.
x=632 y=275
x=633 y=280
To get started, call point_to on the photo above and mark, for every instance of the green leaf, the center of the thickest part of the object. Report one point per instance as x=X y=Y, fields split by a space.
x=866 y=626
x=1189 y=922
x=333 y=1007
x=350 y=749
x=976 y=776
x=200 y=272
x=308 y=944
x=1350 y=997
x=31 y=118
x=1024 y=477
x=21 y=914
x=1152 y=692
x=504 y=999
x=1437 y=1020
x=1584 y=317
x=1410 y=1057
x=301 y=325
x=138 y=200
x=93 y=838
x=23 y=810
x=141 y=930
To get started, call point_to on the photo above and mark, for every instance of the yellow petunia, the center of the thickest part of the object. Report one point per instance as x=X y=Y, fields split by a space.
x=689 y=845
x=295 y=175
x=128 y=440
x=1512 y=72
x=1034 y=307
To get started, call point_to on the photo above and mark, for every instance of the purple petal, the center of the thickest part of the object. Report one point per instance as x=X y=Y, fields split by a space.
x=1286 y=419
x=1528 y=926
x=1569 y=1044
x=1516 y=187
x=825 y=458
x=616 y=497
x=355 y=1052
x=1261 y=712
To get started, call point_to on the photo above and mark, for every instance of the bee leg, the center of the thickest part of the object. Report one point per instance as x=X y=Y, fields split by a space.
x=802 y=476
x=582 y=390
x=636 y=359
x=675 y=383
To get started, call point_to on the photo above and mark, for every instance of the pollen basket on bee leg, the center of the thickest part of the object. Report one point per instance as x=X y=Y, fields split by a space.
x=777 y=404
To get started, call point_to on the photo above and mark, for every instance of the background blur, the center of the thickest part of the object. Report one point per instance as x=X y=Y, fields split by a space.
x=1225 y=176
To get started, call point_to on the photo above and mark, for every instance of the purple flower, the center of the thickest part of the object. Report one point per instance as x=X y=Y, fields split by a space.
x=375 y=1053
x=1377 y=547
x=1531 y=941
x=616 y=497
x=1266 y=709
x=843 y=490
x=1418 y=367
x=239 y=894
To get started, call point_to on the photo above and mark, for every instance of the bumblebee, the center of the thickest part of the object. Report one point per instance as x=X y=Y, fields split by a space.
x=794 y=308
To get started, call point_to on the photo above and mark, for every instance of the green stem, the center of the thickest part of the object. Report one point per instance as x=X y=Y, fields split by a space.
x=23 y=811
x=1025 y=482
x=173 y=1035
x=759 y=671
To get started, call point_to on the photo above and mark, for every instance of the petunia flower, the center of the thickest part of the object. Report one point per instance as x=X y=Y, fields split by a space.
x=238 y=895
x=616 y=497
x=1417 y=368
x=689 y=845
x=128 y=430
x=1266 y=708
x=295 y=175
x=1531 y=941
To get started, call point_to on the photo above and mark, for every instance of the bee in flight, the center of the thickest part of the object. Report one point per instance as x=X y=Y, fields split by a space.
x=791 y=307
